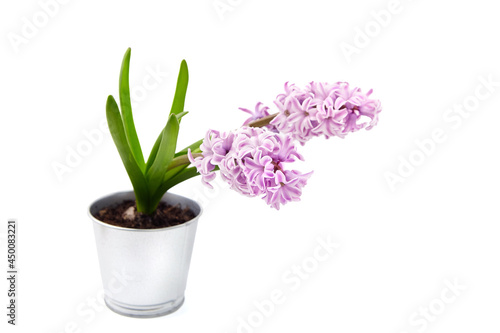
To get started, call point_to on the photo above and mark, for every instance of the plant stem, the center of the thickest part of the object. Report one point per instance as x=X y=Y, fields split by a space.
x=262 y=121
x=181 y=160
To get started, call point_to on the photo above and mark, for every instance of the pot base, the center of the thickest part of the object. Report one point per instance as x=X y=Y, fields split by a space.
x=150 y=311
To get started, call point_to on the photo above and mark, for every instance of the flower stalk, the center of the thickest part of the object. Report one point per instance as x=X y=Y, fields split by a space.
x=263 y=121
x=181 y=160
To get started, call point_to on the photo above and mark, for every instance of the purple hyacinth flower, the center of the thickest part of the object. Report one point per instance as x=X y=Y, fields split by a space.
x=260 y=111
x=288 y=187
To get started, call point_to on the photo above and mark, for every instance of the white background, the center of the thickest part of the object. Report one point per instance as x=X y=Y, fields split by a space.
x=398 y=247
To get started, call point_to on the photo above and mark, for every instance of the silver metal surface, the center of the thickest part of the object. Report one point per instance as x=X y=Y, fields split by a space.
x=144 y=271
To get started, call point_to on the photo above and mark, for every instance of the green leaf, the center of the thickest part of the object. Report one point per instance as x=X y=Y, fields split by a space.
x=177 y=109
x=154 y=150
x=180 y=90
x=194 y=147
x=174 y=171
x=182 y=176
x=153 y=153
x=126 y=107
x=180 y=115
x=134 y=172
x=165 y=153
x=179 y=178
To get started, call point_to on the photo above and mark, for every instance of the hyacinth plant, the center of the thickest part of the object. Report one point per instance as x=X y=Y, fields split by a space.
x=253 y=159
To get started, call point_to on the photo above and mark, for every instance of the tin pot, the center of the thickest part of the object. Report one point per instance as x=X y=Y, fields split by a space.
x=144 y=271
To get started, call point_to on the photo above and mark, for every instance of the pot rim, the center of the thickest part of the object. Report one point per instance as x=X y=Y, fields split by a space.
x=107 y=225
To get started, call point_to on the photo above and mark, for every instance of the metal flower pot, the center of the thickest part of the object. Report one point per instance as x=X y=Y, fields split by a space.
x=144 y=271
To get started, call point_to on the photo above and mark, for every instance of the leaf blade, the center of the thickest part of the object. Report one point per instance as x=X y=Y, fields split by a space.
x=165 y=153
x=117 y=130
x=154 y=152
x=180 y=89
x=179 y=178
x=194 y=148
x=126 y=110
x=181 y=114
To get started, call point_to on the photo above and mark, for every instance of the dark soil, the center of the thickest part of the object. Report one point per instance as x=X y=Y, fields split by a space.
x=125 y=215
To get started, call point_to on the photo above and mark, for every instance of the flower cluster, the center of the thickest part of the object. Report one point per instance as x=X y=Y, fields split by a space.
x=252 y=161
x=324 y=109
x=259 y=112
